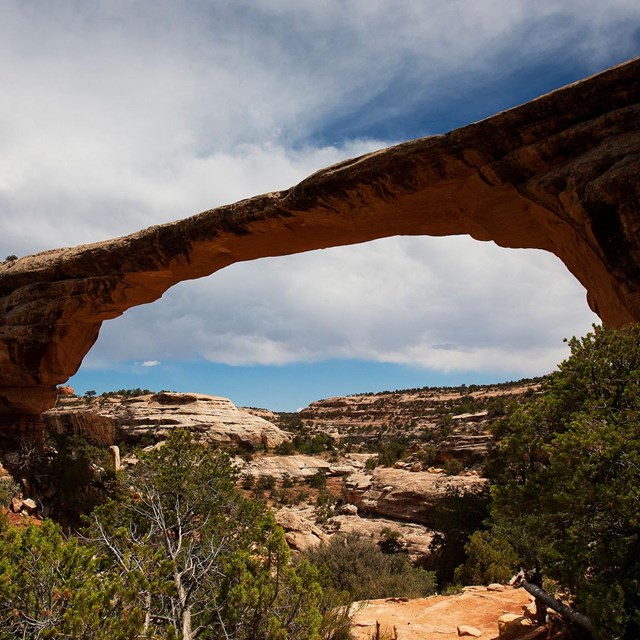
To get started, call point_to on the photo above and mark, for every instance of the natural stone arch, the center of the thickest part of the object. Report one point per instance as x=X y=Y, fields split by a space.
x=559 y=173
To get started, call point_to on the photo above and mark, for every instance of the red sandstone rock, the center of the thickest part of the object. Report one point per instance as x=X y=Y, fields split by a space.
x=559 y=173
x=66 y=391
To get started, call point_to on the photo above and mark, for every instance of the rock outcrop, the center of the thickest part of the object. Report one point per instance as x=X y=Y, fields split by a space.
x=559 y=173
x=150 y=417
x=301 y=534
x=297 y=467
x=404 y=495
x=414 y=538
x=438 y=617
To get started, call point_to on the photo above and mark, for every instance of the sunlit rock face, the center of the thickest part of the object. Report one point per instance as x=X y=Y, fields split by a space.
x=559 y=173
x=404 y=495
x=150 y=418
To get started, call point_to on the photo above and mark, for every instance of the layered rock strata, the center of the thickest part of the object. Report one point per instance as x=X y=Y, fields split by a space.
x=150 y=418
x=559 y=173
x=404 y=495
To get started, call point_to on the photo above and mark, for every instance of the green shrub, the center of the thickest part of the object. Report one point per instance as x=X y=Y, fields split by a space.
x=358 y=566
x=8 y=490
x=266 y=483
x=317 y=480
x=248 y=482
x=453 y=467
x=371 y=463
x=489 y=559
x=566 y=473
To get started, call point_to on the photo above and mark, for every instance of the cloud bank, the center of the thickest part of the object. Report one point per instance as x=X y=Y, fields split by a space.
x=122 y=114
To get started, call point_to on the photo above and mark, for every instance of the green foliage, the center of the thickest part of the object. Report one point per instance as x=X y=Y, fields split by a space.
x=459 y=514
x=248 y=482
x=266 y=483
x=318 y=480
x=313 y=445
x=129 y=393
x=209 y=563
x=453 y=467
x=11 y=258
x=75 y=475
x=371 y=463
x=53 y=587
x=391 y=541
x=285 y=448
x=390 y=452
x=566 y=469
x=488 y=560
x=358 y=566
x=8 y=490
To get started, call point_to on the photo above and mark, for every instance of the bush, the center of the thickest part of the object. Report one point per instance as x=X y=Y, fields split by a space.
x=453 y=467
x=566 y=472
x=489 y=559
x=8 y=490
x=371 y=463
x=248 y=482
x=389 y=453
x=266 y=483
x=317 y=480
x=358 y=566
x=203 y=558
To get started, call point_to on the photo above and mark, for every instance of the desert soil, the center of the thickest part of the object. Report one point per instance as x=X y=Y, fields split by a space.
x=438 y=617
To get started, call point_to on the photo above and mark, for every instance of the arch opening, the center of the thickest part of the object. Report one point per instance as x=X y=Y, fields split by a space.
x=393 y=313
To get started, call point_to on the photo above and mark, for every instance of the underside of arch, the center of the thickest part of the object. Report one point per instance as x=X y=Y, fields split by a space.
x=560 y=173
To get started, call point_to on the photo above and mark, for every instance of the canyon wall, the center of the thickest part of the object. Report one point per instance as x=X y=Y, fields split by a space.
x=559 y=173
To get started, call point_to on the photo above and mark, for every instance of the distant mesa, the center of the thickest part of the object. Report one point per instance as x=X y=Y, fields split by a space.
x=559 y=173
x=149 y=418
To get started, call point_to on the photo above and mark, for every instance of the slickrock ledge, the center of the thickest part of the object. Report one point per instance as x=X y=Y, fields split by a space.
x=212 y=419
x=559 y=173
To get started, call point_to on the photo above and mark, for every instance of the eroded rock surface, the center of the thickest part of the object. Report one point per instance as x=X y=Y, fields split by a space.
x=404 y=495
x=439 y=617
x=214 y=420
x=301 y=534
x=298 y=467
x=559 y=173
x=415 y=538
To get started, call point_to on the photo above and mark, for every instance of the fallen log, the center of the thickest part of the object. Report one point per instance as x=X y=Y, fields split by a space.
x=553 y=603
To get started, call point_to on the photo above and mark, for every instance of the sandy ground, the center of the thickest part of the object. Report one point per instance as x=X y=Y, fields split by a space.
x=438 y=617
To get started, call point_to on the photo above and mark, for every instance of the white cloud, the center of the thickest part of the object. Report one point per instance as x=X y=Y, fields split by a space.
x=150 y=363
x=122 y=114
x=439 y=303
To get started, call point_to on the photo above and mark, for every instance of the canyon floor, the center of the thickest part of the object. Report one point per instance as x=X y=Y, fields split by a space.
x=438 y=617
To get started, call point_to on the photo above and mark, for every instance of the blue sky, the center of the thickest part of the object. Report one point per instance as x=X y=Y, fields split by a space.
x=118 y=115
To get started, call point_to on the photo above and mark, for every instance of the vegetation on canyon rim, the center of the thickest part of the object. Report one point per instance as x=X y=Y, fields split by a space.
x=181 y=553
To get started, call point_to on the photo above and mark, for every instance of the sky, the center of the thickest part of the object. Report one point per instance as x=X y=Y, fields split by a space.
x=116 y=115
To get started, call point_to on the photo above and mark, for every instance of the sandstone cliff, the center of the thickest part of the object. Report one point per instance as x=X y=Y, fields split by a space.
x=559 y=173
x=404 y=495
x=455 y=420
x=150 y=417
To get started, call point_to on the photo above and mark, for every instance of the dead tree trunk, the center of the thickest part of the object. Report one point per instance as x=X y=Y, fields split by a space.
x=565 y=611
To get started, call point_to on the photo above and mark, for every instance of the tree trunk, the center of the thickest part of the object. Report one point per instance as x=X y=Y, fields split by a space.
x=560 y=607
x=185 y=609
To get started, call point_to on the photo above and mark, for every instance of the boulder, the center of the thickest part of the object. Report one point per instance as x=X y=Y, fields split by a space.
x=29 y=506
x=297 y=467
x=415 y=538
x=349 y=510
x=300 y=533
x=512 y=625
x=467 y=631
